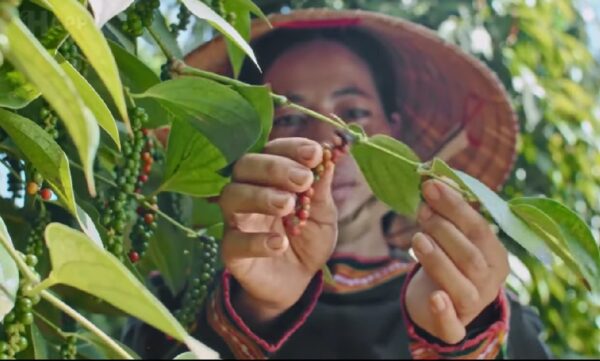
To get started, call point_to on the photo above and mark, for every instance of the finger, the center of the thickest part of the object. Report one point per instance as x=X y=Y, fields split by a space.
x=237 y=245
x=239 y=198
x=463 y=253
x=448 y=203
x=444 y=273
x=304 y=151
x=273 y=171
x=448 y=326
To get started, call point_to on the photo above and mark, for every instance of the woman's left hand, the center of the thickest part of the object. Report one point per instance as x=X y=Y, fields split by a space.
x=463 y=264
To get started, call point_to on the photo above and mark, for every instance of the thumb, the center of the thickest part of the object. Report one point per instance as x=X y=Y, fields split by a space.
x=446 y=323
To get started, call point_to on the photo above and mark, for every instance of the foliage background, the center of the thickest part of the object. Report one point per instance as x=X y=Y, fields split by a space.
x=546 y=53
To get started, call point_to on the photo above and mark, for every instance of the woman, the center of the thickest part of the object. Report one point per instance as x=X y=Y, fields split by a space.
x=392 y=78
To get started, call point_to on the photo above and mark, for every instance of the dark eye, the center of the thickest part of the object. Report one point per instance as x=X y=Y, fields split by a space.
x=289 y=120
x=354 y=114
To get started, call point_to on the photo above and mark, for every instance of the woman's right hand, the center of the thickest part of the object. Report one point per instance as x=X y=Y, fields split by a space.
x=273 y=267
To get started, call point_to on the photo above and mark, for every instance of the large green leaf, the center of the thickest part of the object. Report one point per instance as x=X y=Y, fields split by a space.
x=93 y=101
x=79 y=263
x=42 y=151
x=28 y=56
x=159 y=28
x=390 y=168
x=38 y=349
x=80 y=25
x=260 y=99
x=192 y=163
x=251 y=7
x=202 y=11
x=15 y=91
x=242 y=25
x=138 y=77
x=510 y=223
x=105 y=351
x=569 y=229
x=219 y=112
x=9 y=274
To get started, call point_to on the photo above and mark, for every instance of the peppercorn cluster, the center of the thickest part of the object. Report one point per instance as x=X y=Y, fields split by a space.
x=14 y=339
x=198 y=285
x=35 y=240
x=140 y=15
x=183 y=19
x=143 y=230
x=294 y=222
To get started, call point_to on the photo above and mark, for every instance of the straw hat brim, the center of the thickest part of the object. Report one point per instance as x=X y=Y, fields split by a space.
x=456 y=106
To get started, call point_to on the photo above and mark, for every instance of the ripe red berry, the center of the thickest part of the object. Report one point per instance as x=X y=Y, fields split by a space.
x=143 y=178
x=134 y=256
x=145 y=132
x=46 y=194
x=32 y=188
x=302 y=214
x=304 y=200
x=147 y=168
x=149 y=218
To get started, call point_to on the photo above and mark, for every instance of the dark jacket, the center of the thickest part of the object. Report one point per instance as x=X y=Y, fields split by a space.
x=361 y=315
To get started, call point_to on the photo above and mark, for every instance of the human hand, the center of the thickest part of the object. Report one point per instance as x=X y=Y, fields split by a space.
x=464 y=264
x=273 y=267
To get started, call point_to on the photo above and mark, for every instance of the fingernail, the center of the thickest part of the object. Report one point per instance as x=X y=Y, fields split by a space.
x=438 y=303
x=300 y=176
x=425 y=213
x=280 y=200
x=422 y=244
x=275 y=242
x=307 y=152
x=432 y=192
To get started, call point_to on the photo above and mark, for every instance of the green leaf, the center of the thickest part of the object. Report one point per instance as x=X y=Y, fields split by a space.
x=251 y=7
x=88 y=227
x=159 y=28
x=78 y=262
x=542 y=224
x=15 y=91
x=80 y=24
x=242 y=25
x=259 y=98
x=569 y=229
x=202 y=11
x=39 y=345
x=105 y=351
x=28 y=56
x=93 y=101
x=219 y=112
x=9 y=274
x=185 y=356
x=500 y=211
x=43 y=152
x=390 y=168
x=192 y=163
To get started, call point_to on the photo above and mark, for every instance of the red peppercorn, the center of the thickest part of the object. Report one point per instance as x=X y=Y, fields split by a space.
x=134 y=256
x=46 y=194
x=295 y=231
x=304 y=200
x=143 y=178
x=147 y=168
x=149 y=218
x=302 y=214
x=145 y=132
x=309 y=193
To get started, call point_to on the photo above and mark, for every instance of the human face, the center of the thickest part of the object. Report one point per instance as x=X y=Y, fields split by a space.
x=328 y=78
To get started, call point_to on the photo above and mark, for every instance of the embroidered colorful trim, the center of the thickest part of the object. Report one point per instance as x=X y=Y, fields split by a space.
x=349 y=279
